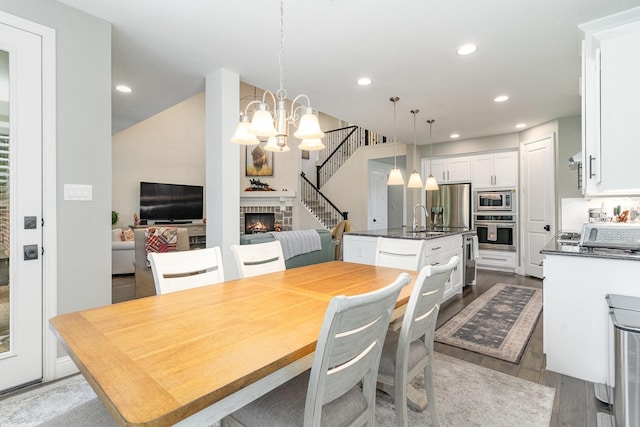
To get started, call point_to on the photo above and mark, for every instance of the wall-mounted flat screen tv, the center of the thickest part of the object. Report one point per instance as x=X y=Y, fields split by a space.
x=170 y=202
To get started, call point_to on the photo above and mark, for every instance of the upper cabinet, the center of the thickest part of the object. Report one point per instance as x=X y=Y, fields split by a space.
x=448 y=169
x=610 y=104
x=495 y=170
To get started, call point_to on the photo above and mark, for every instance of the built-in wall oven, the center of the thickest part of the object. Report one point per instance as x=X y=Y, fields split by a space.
x=496 y=232
x=494 y=201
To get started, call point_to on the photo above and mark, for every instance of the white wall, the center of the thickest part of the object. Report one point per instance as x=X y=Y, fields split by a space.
x=348 y=188
x=168 y=147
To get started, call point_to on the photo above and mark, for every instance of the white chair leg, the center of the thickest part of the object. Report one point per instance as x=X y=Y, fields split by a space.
x=431 y=396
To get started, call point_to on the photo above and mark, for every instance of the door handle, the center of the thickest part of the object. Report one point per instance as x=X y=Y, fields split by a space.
x=591 y=159
x=547 y=227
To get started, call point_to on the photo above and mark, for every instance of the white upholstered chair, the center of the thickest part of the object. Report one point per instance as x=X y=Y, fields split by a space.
x=261 y=258
x=410 y=351
x=177 y=271
x=399 y=253
x=340 y=388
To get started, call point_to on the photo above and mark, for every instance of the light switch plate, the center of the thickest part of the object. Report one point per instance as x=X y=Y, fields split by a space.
x=78 y=192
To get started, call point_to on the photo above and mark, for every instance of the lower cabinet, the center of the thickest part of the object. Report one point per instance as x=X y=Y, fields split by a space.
x=497 y=260
x=362 y=250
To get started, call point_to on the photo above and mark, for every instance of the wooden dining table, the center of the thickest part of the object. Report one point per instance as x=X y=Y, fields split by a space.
x=192 y=357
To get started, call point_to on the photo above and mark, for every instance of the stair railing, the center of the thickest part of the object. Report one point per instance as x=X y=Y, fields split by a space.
x=341 y=144
x=327 y=213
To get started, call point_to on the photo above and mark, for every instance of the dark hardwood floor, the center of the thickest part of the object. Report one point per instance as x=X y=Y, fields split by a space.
x=575 y=403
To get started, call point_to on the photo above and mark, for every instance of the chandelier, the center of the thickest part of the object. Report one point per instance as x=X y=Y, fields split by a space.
x=271 y=122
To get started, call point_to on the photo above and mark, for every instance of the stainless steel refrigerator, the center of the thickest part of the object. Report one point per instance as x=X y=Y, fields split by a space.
x=450 y=205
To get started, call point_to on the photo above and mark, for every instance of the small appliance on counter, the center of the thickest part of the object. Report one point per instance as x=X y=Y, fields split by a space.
x=610 y=235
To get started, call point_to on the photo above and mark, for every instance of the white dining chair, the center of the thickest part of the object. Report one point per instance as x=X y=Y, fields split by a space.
x=177 y=271
x=340 y=388
x=409 y=351
x=261 y=258
x=399 y=253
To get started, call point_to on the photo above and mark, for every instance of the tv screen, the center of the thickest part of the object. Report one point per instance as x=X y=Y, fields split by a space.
x=170 y=202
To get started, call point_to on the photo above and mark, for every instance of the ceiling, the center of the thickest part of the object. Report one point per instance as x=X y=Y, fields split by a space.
x=528 y=50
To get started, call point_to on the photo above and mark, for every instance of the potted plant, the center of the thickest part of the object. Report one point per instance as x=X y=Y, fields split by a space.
x=114 y=217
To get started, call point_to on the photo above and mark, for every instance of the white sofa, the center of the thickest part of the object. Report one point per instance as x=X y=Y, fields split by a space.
x=122 y=253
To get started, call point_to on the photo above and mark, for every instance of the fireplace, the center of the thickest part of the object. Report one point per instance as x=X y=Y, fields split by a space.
x=259 y=222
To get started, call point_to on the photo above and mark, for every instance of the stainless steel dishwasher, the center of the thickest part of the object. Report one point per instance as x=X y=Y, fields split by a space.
x=470 y=245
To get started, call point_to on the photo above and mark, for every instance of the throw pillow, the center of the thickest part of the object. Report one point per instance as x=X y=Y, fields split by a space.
x=127 y=235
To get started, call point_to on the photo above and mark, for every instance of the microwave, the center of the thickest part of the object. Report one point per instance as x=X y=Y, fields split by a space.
x=501 y=200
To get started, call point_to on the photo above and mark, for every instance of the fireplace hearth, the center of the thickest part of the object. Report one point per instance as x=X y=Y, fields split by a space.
x=259 y=222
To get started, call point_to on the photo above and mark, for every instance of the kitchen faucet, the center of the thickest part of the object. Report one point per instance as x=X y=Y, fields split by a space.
x=414 y=225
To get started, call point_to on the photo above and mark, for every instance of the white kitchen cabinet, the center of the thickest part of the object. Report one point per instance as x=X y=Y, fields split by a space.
x=497 y=260
x=447 y=169
x=610 y=104
x=576 y=326
x=495 y=170
x=439 y=252
x=362 y=250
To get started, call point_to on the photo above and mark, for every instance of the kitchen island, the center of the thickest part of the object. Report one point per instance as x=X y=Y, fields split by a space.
x=441 y=243
x=577 y=331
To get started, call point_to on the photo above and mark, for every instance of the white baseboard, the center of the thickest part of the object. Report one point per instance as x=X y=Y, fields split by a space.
x=65 y=367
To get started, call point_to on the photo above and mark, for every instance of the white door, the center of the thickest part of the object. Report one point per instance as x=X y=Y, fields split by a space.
x=377 y=199
x=21 y=339
x=537 y=202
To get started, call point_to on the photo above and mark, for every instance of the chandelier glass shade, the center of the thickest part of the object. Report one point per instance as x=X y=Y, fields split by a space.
x=395 y=175
x=272 y=121
x=415 y=181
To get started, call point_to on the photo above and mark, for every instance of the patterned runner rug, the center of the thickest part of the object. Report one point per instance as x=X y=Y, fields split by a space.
x=498 y=323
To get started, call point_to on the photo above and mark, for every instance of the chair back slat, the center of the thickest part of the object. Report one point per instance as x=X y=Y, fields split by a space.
x=177 y=271
x=399 y=253
x=261 y=258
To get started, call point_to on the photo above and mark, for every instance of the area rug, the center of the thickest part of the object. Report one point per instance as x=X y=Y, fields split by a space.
x=497 y=324
x=466 y=395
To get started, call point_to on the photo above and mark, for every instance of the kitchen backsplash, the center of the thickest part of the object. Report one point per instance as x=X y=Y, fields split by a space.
x=575 y=211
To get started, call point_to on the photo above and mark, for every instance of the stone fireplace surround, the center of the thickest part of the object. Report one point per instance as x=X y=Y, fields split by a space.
x=279 y=203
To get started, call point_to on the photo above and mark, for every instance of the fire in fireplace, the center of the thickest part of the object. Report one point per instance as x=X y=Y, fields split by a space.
x=259 y=222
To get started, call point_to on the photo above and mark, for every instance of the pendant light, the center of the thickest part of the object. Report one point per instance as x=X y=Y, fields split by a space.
x=395 y=176
x=415 y=181
x=431 y=184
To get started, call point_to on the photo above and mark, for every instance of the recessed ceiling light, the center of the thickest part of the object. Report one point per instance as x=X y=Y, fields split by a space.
x=521 y=125
x=466 y=49
x=455 y=135
x=364 y=81
x=501 y=98
x=123 y=88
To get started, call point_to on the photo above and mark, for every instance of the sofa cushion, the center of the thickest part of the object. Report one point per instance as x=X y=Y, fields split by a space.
x=116 y=235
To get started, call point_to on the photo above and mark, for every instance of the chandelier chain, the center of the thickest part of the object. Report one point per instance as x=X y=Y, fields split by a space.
x=282 y=93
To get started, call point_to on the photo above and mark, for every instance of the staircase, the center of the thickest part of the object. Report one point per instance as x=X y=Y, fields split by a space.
x=321 y=207
x=341 y=144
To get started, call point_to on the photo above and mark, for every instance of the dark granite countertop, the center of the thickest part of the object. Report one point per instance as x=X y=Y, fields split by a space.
x=407 y=233
x=553 y=247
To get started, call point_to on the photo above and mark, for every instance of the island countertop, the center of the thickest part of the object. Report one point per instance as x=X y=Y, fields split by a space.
x=408 y=233
x=553 y=247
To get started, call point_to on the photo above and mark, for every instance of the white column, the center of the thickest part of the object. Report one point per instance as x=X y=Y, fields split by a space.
x=222 y=92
